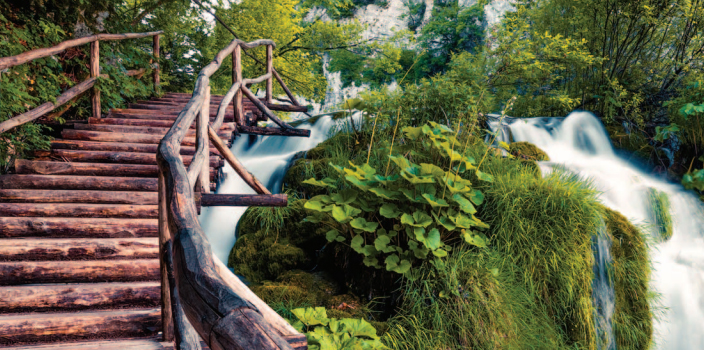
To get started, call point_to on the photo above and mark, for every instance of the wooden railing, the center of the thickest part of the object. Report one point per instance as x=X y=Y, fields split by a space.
x=78 y=89
x=200 y=296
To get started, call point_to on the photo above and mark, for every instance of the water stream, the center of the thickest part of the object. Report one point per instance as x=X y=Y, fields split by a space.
x=580 y=143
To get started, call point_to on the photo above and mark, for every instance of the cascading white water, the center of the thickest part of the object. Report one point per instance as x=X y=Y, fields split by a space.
x=267 y=157
x=580 y=143
x=603 y=289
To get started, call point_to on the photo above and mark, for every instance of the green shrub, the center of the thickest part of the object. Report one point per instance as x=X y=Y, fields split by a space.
x=528 y=151
x=325 y=333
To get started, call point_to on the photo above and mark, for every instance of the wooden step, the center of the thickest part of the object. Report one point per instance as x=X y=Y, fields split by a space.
x=38 y=249
x=117 y=147
x=78 y=196
x=145 y=122
x=32 y=272
x=151 y=343
x=124 y=211
x=88 y=135
x=79 y=296
x=89 y=169
x=77 y=227
x=160 y=117
x=59 y=182
x=132 y=129
x=173 y=112
x=118 y=157
x=43 y=327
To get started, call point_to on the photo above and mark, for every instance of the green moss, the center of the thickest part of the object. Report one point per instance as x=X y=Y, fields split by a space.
x=632 y=320
x=543 y=228
x=527 y=150
x=660 y=212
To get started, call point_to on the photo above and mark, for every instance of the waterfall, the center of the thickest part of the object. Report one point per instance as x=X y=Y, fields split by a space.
x=603 y=290
x=580 y=144
x=268 y=158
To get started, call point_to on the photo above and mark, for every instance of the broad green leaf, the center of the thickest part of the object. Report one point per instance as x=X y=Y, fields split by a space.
x=440 y=253
x=311 y=316
x=411 y=195
x=474 y=238
x=431 y=169
x=358 y=328
x=381 y=243
x=326 y=182
x=356 y=243
x=343 y=214
x=317 y=206
x=444 y=221
x=322 y=198
x=389 y=210
x=332 y=235
x=476 y=196
x=422 y=219
x=412 y=133
x=400 y=161
x=484 y=176
x=371 y=261
x=465 y=205
x=384 y=193
x=386 y=179
x=345 y=196
x=393 y=263
x=419 y=250
x=364 y=225
x=362 y=185
x=435 y=202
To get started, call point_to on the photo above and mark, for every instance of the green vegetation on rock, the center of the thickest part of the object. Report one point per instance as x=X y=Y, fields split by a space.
x=660 y=212
x=528 y=151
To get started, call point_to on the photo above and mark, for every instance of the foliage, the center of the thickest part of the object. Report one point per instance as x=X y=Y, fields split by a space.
x=325 y=333
x=468 y=302
x=416 y=12
x=660 y=212
x=410 y=211
x=527 y=150
x=632 y=318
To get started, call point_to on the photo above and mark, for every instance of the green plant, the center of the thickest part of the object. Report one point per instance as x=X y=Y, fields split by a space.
x=397 y=216
x=325 y=333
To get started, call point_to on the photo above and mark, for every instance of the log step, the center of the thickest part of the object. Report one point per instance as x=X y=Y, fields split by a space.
x=77 y=196
x=23 y=166
x=32 y=272
x=79 y=296
x=88 y=135
x=43 y=327
x=116 y=147
x=134 y=129
x=117 y=157
x=79 y=210
x=146 y=122
x=32 y=249
x=59 y=182
x=152 y=343
x=141 y=115
x=77 y=227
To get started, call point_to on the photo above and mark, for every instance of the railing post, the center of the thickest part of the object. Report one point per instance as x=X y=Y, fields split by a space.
x=269 y=70
x=237 y=77
x=164 y=239
x=94 y=72
x=156 y=67
x=202 y=134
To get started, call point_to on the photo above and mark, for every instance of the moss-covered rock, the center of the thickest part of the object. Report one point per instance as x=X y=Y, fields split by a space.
x=632 y=319
x=527 y=150
x=660 y=212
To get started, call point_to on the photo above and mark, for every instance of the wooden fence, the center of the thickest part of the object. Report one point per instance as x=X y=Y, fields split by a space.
x=78 y=89
x=200 y=297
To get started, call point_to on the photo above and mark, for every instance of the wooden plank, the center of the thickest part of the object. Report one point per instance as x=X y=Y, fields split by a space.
x=23 y=166
x=237 y=77
x=124 y=211
x=148 y=122
x=152 y=343
x=135 y=129
x=165 y=238
x=286 y=108
x=155 y=52
x=75 y=196
x=243 y=200
x=264 y=109
x=94 y=72
x=269 y=71
x=283 y=85
x=77 y=227
x=87 y=135
x=117 y=157
x=43 y=327
x=117 y=146
x=255 y=130
x=58 y=182
x=31 y=272
x=32 y=249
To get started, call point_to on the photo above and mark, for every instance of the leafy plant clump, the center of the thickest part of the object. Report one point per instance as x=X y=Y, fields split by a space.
x=414 y=209
x=325 y=333
x=660 y=212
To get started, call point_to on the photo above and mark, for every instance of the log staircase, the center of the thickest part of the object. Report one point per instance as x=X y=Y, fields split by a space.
x=79 y=247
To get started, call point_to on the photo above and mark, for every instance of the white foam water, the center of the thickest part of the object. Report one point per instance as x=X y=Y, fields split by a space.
x=580 y=143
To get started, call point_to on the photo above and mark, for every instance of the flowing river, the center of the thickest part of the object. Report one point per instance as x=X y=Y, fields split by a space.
x=579 y=143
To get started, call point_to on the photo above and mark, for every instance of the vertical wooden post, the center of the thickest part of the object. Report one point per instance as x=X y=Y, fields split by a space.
x=94 y=72
x=164 y=240
x=157 y=67
x=269 y=70
x=237 y=75
x=202 y=134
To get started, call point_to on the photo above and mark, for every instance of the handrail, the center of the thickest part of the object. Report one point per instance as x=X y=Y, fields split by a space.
x=208 y=297
x=78 y=89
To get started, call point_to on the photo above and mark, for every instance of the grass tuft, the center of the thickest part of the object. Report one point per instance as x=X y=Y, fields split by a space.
x=660 y=212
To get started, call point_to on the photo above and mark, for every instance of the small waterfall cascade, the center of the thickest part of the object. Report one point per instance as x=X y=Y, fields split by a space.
x=268 y=158
x=603 y=290
x=580 y=144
